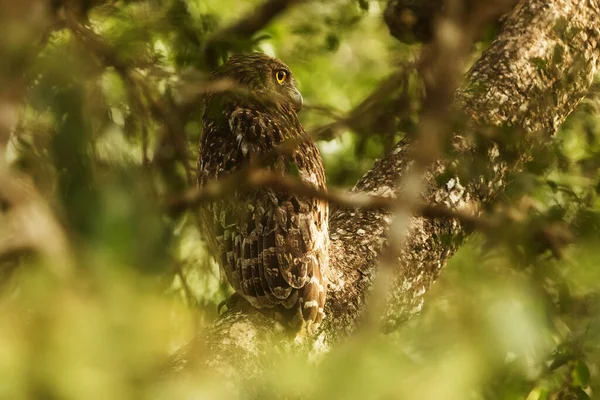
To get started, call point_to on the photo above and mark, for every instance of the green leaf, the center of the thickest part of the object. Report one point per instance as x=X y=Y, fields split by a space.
x=560 y=360
x=581 y=394
x=581 y=374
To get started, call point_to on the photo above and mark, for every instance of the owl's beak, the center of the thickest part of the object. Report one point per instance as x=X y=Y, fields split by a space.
x=297 y=100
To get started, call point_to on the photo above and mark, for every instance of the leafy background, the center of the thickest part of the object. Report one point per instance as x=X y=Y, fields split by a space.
x=507 y=319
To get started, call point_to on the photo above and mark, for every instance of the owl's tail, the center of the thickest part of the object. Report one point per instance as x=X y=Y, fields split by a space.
x=313 y=297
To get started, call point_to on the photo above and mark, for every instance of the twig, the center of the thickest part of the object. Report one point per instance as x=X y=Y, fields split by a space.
x=250 y=179
x=185 y=285
x=370 y=103
x=145 y=159
x=160 y=110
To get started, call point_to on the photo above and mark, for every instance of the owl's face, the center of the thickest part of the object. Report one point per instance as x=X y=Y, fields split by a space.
x=266 y=75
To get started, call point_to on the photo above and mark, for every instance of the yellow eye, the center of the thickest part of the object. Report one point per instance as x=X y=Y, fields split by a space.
x=281 y=76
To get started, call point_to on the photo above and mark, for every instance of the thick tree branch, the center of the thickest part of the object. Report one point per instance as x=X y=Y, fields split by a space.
x=246 y=27
x=497 y=91
x=506 y=87
x=253 y=22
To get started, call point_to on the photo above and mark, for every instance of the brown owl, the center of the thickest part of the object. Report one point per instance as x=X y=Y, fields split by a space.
x=272 y=244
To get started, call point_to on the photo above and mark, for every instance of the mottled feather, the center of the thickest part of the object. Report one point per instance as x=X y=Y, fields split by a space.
x=272 y=244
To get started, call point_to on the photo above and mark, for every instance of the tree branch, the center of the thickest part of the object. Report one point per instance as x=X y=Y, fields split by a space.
x=246 y=27
x=250 y=179
x=495 y=91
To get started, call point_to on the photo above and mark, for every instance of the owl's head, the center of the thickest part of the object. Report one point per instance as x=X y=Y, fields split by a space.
x=265 y=75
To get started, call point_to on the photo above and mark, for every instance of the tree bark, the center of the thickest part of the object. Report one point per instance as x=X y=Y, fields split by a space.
x=532 y=76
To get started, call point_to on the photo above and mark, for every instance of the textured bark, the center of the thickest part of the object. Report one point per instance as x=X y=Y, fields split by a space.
x=504 y=87
x=532 y=76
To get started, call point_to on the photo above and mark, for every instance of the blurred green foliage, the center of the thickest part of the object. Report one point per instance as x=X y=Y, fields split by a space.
x=507 y=320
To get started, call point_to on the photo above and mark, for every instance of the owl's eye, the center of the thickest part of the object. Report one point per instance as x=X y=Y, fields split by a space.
x=281 y=76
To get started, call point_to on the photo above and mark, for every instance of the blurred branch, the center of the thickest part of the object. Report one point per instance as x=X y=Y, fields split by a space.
x=251 y=178
x=364 y=117
x=187 y=290
x=246 y=27
x=160 y=109
x=26 y=221
x=553 y=237
x=260 y=17
x=28 y=24
x=29 y=224
x=416 y=21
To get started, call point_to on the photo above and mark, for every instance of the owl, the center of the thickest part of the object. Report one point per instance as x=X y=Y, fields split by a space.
x=271 y=244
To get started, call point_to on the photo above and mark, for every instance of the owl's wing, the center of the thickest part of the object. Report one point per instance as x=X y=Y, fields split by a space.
x=272 y=244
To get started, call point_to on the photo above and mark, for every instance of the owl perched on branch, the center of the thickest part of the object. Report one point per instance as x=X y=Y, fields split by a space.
x=272 y=244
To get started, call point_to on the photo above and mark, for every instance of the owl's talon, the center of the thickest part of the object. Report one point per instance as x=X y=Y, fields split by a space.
x=229 y=302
